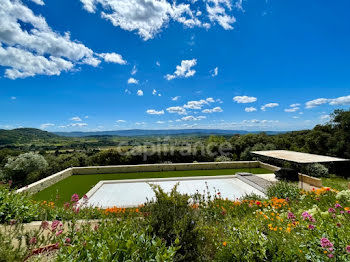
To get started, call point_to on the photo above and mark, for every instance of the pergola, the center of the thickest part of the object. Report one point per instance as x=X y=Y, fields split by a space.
x=297 y=157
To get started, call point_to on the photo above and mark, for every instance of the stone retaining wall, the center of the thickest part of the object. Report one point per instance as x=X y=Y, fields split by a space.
x=49 y=181
x=313 y=181
x=269 y=167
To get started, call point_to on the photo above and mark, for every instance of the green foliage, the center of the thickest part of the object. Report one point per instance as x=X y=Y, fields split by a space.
x=317 y=170
x=18 y=168
x=284 y=190
x=115 y=241
x=172 y=219
x=15 y=206
x=223 y=159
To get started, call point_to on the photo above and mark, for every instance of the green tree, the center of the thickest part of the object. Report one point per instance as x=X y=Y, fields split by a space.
x=19 y=168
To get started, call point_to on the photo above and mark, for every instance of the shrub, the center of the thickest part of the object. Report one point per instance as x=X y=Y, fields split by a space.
x=344 y=195
x=15 y=206
x=317 y=170
x=172 y=219
x=17 y=169
x=283 y=189
x=114 y=240
x=222 y=159
x=287 y=174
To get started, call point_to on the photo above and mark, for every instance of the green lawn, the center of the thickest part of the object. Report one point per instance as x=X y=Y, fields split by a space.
x=338 y=183
x=81 y=184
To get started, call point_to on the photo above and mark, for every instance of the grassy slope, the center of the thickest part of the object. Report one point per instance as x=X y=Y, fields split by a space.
x=338 y=183
x=81 y=184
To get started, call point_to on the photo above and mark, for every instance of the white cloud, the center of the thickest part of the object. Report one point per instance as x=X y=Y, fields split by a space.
x=113 y=58
x=215 y=72
x=177 y=109
x=291 y=110
x=134 y=70
x=214 y=110
x=46 y=125
x=157 y=63
x=217 y=13
x=183 y=70
x=76 y=118
x=132 y=80
x=140 y=123
x=269 y=105
x=325 y=117
x=340 y=101
x=86 y=117
x=145 y=17
x=77 y=125
x=196 y=104
x=210 y=100
x=38 y=2
x=316 y=102
x=175 y=98
x=13 y=98
x=36 y=49
x=155 y=112
x=192 y=118
x=127 y=91
x=139 y=92
x=121 y=121
x=244 y=99
x=250 y=109
x=295 y=105
x=154 y=92
x=160 y=122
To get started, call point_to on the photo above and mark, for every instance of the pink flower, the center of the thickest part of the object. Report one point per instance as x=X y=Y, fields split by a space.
x=291 y=216
x=32 y=240
x=96 y=227
x=59 y=232
x=44 y=225
x=330 y=255
x=348 y=248
x=85 y=197
x=331 y=210
x=54 y=224
x=68 y=240
x=75 y=198
x=307 y=216
x=326 y=243
x=337 y=205
x=311 y=227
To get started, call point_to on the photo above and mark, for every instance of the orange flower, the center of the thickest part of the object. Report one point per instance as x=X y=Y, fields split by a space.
x=224 y=243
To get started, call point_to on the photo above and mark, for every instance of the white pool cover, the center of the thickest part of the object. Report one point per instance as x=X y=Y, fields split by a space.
x=132 y=193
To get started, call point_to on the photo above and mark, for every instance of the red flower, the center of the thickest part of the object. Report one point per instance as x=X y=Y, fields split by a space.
x=258 y=203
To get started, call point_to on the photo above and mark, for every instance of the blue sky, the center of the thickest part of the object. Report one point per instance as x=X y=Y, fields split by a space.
x=88 y=65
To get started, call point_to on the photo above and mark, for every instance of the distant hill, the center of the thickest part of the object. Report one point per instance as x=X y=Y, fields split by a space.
x=144 y=132
x=23 y=135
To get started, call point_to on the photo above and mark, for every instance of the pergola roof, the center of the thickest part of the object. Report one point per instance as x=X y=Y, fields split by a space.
x=297 y=157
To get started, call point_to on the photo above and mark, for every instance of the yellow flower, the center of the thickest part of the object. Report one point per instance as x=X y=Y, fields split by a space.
x=288 y=229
